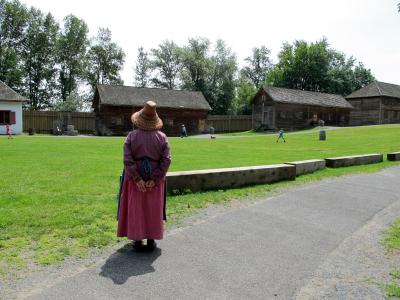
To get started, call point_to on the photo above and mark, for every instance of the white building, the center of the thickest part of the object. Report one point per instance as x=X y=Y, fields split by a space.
x=10 y=109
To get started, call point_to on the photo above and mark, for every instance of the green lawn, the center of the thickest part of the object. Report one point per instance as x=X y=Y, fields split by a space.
x=58 y=195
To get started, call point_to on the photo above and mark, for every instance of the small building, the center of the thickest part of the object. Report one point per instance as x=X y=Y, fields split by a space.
x=114 y=104
x=275 y=107
x=376 y=103
x=10 y=109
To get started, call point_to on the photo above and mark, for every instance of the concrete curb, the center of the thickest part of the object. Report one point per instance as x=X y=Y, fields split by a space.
x=308 y=166
x=199 y=180
x=354 y=160
x=393 y=156
x=211 y=179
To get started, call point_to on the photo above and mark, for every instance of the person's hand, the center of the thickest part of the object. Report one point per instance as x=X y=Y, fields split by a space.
x=150 y=184
x=141 y=185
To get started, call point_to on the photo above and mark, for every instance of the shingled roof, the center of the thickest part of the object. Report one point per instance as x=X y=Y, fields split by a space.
x=377 y=89
x=120 y=95
x=306 y=98
x=8 y=94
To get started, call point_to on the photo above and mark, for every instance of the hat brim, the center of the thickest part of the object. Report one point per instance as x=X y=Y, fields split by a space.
x=143 y=122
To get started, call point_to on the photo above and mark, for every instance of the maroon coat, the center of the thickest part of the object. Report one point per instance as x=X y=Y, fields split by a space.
x=141 y=213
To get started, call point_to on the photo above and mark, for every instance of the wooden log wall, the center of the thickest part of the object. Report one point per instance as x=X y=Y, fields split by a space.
x=366 y=111
x=292 y=116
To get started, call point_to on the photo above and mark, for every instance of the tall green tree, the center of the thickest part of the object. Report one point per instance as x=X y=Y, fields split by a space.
x=257 y=66
x=242 y=103
x=196 y=65
x=317 y=67
x=39 y=57
x=361 y=76
x=222 y=81
x=166 y=63
x=71 y=54
x=13 y=22
x=303 y=66
x=345 y=75
x=142 y=68
x=105 y=60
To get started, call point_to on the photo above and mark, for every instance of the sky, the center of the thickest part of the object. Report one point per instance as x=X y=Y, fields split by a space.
x=366 y=29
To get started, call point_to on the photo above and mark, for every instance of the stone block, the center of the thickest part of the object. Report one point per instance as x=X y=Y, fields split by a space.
x=393 y=156
x=354 y=160
x=307 y=166
x=199 y=180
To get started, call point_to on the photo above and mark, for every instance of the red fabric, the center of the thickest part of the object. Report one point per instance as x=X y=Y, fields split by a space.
x=141 y=213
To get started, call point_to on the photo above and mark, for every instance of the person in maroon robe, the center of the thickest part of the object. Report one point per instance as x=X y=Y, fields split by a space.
x=146 y=162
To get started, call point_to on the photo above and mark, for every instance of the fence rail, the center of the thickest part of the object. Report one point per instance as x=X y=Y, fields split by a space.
x=84 y=122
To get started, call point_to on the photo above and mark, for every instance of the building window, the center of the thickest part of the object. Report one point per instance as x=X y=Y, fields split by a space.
x=282 y=114
x=7 y=117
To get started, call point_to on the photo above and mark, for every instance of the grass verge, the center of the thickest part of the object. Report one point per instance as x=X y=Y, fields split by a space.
x=393 y=288
x=392 y=243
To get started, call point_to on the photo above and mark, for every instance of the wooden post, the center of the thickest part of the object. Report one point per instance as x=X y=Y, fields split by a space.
x=252 y=115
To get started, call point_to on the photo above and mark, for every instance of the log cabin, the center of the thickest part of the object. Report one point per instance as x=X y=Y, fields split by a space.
x=290 y=109
x=114 y=104
x=376 y=103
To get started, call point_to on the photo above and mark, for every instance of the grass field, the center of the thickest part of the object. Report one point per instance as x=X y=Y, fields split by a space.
x=58 y=195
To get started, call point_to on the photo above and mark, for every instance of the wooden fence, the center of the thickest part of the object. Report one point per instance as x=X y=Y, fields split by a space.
x=45 y=121
x=230 y=123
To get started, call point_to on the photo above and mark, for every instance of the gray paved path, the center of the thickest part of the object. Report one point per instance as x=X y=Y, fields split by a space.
x=268 y=250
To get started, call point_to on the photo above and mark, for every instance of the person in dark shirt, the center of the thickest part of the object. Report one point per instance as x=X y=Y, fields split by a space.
x=183 y=131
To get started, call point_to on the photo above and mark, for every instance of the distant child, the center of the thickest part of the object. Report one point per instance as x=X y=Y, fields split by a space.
x=9 y=131
x=183 y=131
x=281 y=132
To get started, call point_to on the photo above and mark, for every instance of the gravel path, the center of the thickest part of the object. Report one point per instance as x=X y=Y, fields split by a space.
x=316 y=131
x=356 y=267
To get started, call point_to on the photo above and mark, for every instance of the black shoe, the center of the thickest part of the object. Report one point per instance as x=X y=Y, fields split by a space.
x=138 y=246
x=151 y=245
